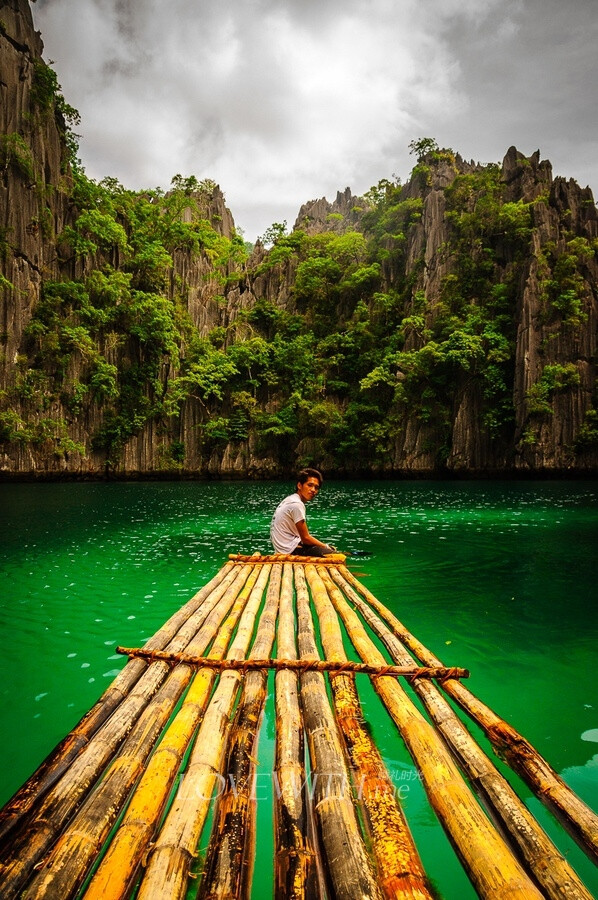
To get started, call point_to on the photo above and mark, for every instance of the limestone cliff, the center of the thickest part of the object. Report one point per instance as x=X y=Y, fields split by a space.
x=38 y=205
x=447 y=325
x=555 y=320
x=548 y=264
x=35 y=186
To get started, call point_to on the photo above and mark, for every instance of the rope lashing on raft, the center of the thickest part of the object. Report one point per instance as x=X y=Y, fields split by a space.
x=299 y=665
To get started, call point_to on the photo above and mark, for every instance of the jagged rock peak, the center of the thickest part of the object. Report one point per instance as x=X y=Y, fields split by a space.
x=212 y=203
x=321 y=215
x=527 y=176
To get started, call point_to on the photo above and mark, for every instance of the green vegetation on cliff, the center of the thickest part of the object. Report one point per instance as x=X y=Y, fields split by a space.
x=373 y=333
x=445 y=324
x=113 y=337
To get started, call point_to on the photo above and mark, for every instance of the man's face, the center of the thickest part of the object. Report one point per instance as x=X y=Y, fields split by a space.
x=308 y=490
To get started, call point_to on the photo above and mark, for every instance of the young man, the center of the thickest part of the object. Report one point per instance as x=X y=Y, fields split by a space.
x=288 y=531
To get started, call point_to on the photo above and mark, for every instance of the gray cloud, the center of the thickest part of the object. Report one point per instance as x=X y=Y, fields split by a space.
x=282 y=103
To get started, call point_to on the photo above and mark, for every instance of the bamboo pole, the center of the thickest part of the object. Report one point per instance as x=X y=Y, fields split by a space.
x=580 y=821
x=400 y=870
x=62 y=801
x=412 y=671
x=170 y=858
x=332 y=559
x=74 y=853
x=552 y=872
x=229 y=859
x=58 y=761
x=489 y=862
x=346 y=859
x=295 y=860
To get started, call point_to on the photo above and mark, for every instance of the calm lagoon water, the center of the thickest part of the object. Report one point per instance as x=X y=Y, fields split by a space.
x=498 y=577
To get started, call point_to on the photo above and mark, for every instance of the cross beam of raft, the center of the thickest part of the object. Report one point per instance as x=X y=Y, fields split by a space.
x=298 y=665
x=331 y=559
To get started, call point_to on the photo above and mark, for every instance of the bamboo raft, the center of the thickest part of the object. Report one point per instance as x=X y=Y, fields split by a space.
x=171 y=747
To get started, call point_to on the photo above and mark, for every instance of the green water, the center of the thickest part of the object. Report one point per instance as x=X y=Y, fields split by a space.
x=497 y=577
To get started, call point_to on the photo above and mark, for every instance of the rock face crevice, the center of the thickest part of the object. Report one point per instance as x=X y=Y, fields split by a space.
x=544 y=252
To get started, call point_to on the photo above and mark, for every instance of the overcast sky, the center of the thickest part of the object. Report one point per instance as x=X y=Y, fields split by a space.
x=285 y=101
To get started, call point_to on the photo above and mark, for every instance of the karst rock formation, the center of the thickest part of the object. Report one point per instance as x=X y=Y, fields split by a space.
x=537 y=247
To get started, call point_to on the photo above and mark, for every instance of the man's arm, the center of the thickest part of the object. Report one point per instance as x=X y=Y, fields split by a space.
x=307 y=539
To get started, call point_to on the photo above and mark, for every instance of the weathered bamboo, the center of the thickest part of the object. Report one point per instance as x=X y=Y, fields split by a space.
x=295 y=861
x=347 y=862
x=62 y=801
x=59 y=760
x=579 y=820
x=489 y=862
x=552 y=872
x=74 y=853
x=413 y=672
x=333 y=559
x=399 y=868
x=229 y=860
x=170 y=858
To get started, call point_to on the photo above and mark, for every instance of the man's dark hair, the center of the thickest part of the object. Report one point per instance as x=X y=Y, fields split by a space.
x=304 y=474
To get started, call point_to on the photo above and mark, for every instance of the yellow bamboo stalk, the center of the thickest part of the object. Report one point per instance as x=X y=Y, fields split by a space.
x=400 y=870
x=490 y=864
x=346 y=859
x=56 y=808
x=579 y=820
x=170 y=858
x=229 y=859
x=295 y=859
x=59 y=760
x=552 y=872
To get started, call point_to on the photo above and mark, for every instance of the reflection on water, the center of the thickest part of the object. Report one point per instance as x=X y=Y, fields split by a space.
x=497 y=577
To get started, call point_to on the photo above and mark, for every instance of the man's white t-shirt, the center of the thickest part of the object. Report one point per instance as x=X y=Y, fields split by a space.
x=283 y=530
